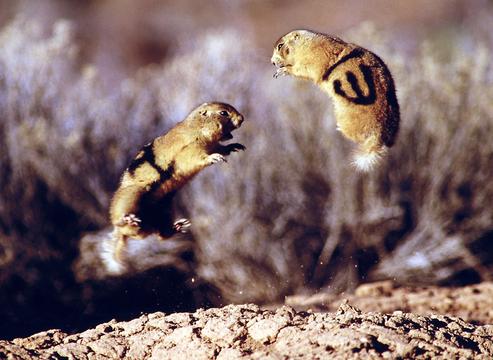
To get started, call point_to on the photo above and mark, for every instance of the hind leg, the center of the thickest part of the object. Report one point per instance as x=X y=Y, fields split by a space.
x=124 y=209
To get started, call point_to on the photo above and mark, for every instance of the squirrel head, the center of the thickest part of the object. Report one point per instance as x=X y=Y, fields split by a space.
x=217 y=121
x=303 y=53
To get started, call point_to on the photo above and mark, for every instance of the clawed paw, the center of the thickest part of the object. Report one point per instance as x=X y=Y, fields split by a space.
x=237 y=147
x=280 y=71
x=182 y=225
x=130 y=220
x=215 y=158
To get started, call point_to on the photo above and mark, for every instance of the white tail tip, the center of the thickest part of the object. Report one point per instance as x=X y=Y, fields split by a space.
x=107 y=252
x=366 y=161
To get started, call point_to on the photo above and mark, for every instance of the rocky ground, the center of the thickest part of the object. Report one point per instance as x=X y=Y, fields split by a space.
x=394 y=323
x=471 y=303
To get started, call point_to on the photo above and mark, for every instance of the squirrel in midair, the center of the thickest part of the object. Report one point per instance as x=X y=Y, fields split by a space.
x=357 y=80
x=142 y=204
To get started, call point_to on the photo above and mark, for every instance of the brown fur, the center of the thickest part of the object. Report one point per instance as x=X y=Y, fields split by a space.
x=357 y=80
x=142 y=204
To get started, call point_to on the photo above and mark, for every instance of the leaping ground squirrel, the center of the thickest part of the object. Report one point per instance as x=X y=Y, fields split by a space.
x=142 y=204
x=357 y=80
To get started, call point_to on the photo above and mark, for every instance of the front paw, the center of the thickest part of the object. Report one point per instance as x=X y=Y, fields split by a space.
x=280 y=71
x=181 y=225
x=129 y=220
x=215 y=158
x=236 y=147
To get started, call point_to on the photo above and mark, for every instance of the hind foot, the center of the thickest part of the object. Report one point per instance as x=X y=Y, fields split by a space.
x=130 y=220
x=181 y=225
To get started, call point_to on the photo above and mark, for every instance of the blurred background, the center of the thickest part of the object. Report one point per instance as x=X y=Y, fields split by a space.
x=84 y=84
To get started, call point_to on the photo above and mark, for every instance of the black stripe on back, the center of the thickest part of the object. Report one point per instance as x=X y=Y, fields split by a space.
x=353 y=54
x=164 y=175
x=360 y=98
x=147 y=156
x=167 y=173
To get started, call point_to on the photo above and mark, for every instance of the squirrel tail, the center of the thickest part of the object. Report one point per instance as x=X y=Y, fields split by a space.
x=365 y=159
x=110 y=256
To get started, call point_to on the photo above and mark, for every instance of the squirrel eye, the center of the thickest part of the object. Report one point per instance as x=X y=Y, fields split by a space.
x=279 y=46
x=224 y=113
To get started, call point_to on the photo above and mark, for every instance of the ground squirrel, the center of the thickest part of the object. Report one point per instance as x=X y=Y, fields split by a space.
x=358 y=81
x=142 y=204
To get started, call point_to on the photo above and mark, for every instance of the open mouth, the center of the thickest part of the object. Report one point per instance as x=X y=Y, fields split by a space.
x=230 y=126
x=226 y=136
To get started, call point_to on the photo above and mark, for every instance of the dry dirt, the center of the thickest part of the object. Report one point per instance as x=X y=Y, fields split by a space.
x=472 y=303
x=250 y=332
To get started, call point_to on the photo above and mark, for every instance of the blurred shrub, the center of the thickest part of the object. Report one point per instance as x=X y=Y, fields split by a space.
x=288 y=214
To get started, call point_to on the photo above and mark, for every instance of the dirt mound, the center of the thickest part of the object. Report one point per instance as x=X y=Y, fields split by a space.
x=472 y=303
x=249 y=332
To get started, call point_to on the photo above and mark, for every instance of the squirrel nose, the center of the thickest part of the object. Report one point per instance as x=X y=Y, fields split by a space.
x=240 y=120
